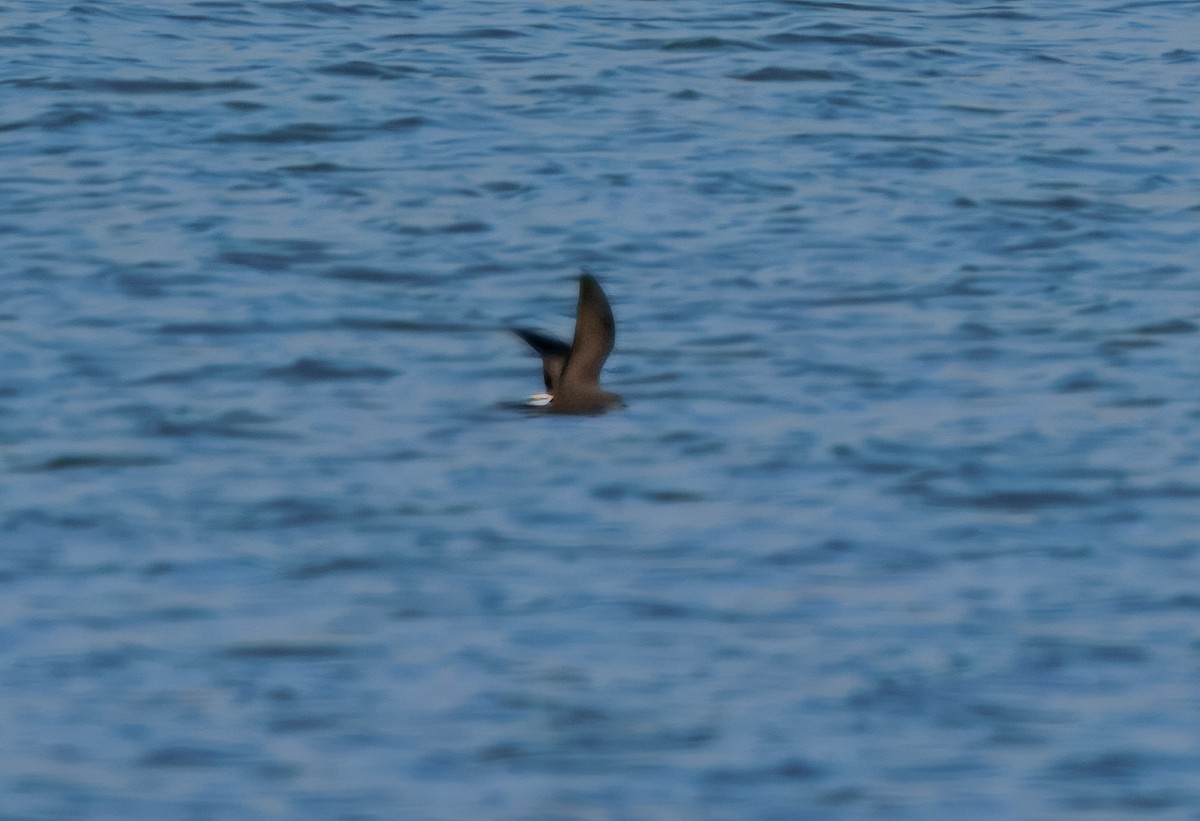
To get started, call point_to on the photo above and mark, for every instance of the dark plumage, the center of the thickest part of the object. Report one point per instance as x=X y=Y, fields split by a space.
x=572 y=372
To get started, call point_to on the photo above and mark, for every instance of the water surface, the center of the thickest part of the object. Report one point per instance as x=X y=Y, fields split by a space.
x=900 y=521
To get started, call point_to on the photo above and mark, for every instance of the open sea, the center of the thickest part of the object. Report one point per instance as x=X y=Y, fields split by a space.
x=901 y=520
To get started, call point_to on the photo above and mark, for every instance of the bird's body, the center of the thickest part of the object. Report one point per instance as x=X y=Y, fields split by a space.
x=572 y=372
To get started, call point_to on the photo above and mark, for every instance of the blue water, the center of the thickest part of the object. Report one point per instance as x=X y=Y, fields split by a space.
x=902 y=520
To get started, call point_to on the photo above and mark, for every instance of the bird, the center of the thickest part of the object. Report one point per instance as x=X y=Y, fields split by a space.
x=572 y=372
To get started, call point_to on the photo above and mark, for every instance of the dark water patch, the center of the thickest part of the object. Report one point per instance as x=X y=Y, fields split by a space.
x=158 y=85
x=234 y=424
x=883 y=294
x=506 y=187
x=1137 y=402
x=375 y=71
x=59 y=117
x=1010 y=721
x=977 y=330
x=308 y=369
x=331 y=9
x=275 y=255
x=561 y=758
x=710 y=44
x=672 y=497
x=228 y=329
x=1111 y=474
x=146 y=85
x=1014 y=501
x=503 y=751
x=968 y=286
x=651 y=609
x=658 y=497
x=1082 y=382
x=1117 y=654
x=487 y=269
x=1170 y=326
x=20 y=41
x=89 y=665
x=35 y=519
x=279 y=772
x=1138 y=801
x=92 y=461
x=185 y=757
x=828 y=550
x=1065 y=203
x=302 y=724
x=793 y=769
x=286 y=651
x=994 y=13
x=479 y=33
x=883 y=468
x=87 y=10
x=596 y=745
x=561 y=713
x=312 y=168
x=1181 y=55
x=689 y=443
x=967 y=202
x=865 y=295
x=865 y=40
x=907 y=560
x=1048 y=655
x=377 y=275
x=244 y=105
x=583 y=91
x=1168 y=491
x=1125 y=344
x=716 y=183
x=294 y=512
x=494 y=33
x=334 y=566
x=210 y=19
x=837 y=5
x=143 y=285
x=842 y=796
x=295 y=134
x=464 y=227
x=777 y=74
x=1104 y=767
x=402 y=123
x=921 y=157
x=181 y=614
x=1066 y=237
x=403 y=325
x=892 y=695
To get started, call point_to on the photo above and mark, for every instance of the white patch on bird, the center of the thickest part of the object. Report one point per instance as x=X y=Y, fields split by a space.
x=539 y=400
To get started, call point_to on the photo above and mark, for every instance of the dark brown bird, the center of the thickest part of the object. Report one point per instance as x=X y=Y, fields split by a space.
x=572 y=372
